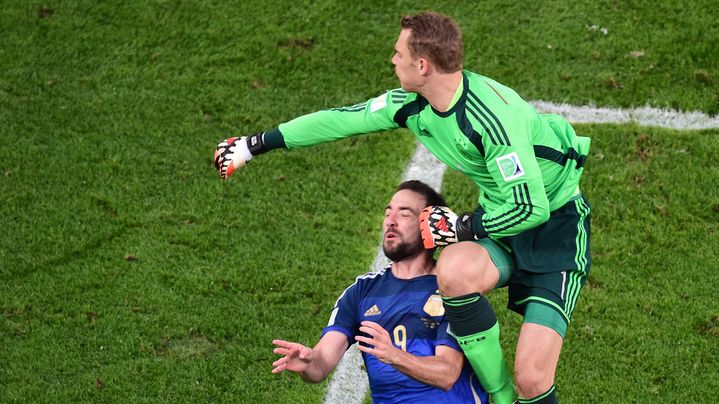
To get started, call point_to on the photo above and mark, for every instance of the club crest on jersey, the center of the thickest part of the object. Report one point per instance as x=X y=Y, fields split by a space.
x=461 y=147
x=510 y=166
x=434 y=306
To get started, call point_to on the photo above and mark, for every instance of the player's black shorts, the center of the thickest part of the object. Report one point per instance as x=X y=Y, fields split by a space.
x=552 y=262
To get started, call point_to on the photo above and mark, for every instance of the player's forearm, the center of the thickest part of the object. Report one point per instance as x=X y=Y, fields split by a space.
x=529 y=208
x=334 y=124
x=313 y=374
x=316 y=128
x=432 y=370
x=317 y=370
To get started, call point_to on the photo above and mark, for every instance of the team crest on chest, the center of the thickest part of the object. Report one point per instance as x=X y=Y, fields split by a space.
x=434 y=306
x=510 y=166
x=462 y=149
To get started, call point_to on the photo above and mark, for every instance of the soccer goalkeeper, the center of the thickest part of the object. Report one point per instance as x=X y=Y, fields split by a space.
x=531 y=229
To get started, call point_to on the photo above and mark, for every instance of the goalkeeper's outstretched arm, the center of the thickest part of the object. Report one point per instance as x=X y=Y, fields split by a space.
x=374 y=115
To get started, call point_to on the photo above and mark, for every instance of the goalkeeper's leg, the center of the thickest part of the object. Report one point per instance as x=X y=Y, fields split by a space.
x=535 y=364
x=465 y=271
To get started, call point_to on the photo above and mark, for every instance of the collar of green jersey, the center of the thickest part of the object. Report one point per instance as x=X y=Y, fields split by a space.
x=459 y=96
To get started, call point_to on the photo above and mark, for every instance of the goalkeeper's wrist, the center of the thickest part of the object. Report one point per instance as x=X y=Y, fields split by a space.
x=470 y=227
x=478 y=224
x=463 y=227
x=265 y=141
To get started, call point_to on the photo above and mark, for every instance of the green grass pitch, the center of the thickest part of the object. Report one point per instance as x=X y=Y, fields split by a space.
x=130 y=273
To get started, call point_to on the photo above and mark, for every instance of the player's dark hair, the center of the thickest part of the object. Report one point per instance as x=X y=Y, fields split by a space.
x=432 y=197
x=436 y=37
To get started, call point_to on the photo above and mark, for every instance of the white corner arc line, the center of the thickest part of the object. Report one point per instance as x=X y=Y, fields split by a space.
x=349 y=383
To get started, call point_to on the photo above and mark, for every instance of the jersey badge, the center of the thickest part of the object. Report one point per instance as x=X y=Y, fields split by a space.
x=434 y=306
x=510 y=166
x=378 y=103
x=429 y=323
x=372 y=311
x=462 y=149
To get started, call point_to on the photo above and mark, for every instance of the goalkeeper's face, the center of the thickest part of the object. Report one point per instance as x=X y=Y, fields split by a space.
x=407 y=68
x=402 y=237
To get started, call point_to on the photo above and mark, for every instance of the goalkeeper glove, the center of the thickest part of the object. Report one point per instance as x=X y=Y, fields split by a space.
x=233 y=153
x=439 y=227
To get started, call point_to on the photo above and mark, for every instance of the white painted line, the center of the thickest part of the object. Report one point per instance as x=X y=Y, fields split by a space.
x=645 y=116
x=349 y=384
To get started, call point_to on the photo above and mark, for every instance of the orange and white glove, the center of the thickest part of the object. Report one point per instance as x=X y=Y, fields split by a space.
x=231 y=154
x=440 y=227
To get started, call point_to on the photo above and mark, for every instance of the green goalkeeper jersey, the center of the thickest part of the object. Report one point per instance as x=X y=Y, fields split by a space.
x=525 y=164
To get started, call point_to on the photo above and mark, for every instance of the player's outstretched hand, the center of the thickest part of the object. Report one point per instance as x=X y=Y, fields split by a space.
x=231 y=154
x=440 y=227
x=296 y=357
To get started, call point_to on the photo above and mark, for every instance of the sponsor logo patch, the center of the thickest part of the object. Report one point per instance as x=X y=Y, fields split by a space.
x=425 y=132
x=378 y=103
x=372 y=311
x=510 y=166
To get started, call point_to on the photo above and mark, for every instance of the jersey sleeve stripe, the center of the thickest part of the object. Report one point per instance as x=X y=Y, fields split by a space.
x=548 y=153
x=519 y=214
x=523 y=211
x=398 y=98
x=352 y=108
x=473 y=97
x=368 y=275
x=474 y=113
x=504 y=216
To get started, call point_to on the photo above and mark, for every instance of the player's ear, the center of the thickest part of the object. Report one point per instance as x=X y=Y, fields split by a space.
x=423 y=65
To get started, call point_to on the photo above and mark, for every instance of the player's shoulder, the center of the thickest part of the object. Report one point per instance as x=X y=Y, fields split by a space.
x=399 y=96
x=403 y=104
x=396 y=97
x=363 y=285
x=476 y=79
x=371 y=278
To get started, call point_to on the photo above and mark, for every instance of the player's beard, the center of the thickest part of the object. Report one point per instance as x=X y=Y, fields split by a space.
x=402 y=250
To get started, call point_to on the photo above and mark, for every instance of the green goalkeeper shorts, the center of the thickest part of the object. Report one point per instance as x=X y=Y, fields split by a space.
x=551 y=263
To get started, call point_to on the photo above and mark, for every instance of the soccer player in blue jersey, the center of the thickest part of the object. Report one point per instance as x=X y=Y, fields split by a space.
x=397 y=317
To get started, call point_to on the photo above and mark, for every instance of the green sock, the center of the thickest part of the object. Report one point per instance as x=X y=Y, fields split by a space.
x=475 y=326
x=487 y=359
x=548 y=397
